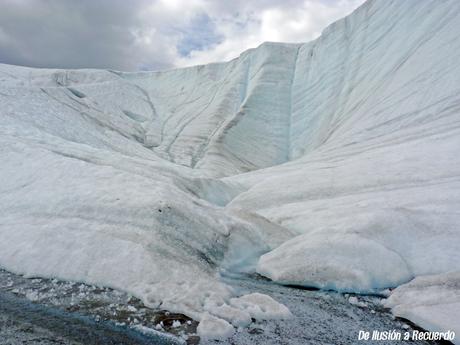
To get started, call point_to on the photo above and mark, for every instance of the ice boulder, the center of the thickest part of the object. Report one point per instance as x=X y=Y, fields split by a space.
x=342 y=262
x=214 y=328
x=432 y=302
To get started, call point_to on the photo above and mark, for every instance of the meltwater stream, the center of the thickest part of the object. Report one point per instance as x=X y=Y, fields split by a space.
x=45 y=311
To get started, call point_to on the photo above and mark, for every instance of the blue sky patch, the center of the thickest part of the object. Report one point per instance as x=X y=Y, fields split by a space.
x=200 y=34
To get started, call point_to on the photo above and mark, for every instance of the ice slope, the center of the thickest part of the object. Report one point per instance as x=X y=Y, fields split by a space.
x=224 y=118
x=334 y=161
x=84 y=198
x=432 y=302
x=375 y=188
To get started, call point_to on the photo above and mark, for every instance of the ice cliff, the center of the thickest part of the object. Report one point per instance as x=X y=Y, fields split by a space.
x=331 y=164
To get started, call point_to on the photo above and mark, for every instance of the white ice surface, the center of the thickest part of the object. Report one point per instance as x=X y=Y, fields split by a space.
x=432 y=302
x=84 y=200
x=261 y=307
x=211 y=327
x=373 y=185
x=342 y=262
x=335 y=162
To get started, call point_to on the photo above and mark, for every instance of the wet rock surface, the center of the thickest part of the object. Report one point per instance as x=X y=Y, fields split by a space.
x=49 y=311
x=46 y=311
x=320 y=317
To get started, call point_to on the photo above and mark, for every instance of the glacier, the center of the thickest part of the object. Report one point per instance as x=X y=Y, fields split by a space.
x=330 y=164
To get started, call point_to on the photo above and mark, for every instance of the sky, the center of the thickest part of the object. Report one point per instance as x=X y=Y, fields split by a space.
x=132 y=35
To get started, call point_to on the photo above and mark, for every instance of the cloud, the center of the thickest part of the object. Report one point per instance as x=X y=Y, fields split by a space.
x=275 y=21
x=153 y=34
x=199 y=35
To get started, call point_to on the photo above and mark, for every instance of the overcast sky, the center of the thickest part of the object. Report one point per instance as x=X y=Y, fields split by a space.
x=153 y=34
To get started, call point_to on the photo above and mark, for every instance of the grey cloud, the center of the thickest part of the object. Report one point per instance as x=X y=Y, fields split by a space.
x=134 y=34
x=77 y=34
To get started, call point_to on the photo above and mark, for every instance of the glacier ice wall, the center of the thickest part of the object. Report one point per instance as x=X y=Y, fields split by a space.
x=375 y=132
x=335 y=162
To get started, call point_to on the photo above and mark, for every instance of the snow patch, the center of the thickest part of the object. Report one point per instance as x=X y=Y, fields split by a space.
x=261 y=307
x=212 y=328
